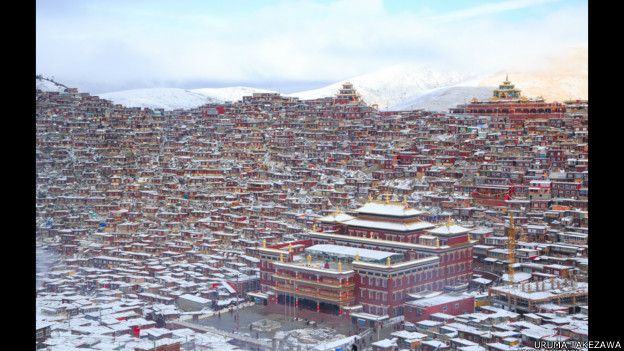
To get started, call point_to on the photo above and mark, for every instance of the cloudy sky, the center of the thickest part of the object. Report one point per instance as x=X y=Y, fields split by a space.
x=101 y=46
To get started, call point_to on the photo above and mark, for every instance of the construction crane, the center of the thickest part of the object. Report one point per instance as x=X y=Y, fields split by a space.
x=511 y=246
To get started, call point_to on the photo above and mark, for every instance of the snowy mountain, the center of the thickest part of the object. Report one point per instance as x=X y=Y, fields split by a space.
x=174 y=98
x=230 y=93
x=392 y=85
x=167 y=98
x=48 y=84
x=562 y=78
x=441 y=99
x=398 y=87
x=405 y=87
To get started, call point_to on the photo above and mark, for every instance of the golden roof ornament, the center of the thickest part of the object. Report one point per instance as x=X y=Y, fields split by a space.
x=370 y=197
x=388 y=261
x=264 y=243
x=282 y=258
x=339 y=266
x=437 y=241
x=289 y=247
x=357 y=257
x=405 y=200
x=387 y=199
x=449 y=222
x=313 y=226
x=309 y=259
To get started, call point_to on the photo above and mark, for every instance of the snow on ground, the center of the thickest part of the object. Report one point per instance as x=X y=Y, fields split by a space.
x=441 y=99
x=167 y=98
x=45 y=259
x=215 y=342
x=175 y=98
x=307 y=337
x=391 y=85
x=46 y=84
x=562 y=77
x=230 y=93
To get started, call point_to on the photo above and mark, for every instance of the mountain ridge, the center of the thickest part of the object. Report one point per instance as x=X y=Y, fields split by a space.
x=397 y=87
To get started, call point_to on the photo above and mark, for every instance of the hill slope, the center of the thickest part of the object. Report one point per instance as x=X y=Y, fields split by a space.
x=441 y=99
x=397 y=87
x=392 y=85
x=230 y=93
x=167 y=98
x=174 y=98
x=48 y=84
x=562 y=78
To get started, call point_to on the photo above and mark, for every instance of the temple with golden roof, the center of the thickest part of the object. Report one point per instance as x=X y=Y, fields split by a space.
x=507 y=101
x=366 y=262
x=347 y=95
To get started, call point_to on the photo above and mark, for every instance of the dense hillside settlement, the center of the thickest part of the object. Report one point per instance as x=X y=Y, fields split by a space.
x=275 y=223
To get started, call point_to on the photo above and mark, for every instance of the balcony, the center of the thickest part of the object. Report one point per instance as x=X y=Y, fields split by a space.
x=327 y=284
x=342 y=299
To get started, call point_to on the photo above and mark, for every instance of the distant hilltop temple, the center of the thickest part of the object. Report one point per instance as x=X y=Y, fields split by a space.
x=508 y=101
x=347 y=95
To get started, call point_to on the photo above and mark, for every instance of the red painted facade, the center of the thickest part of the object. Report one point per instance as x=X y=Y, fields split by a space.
x=415 y=313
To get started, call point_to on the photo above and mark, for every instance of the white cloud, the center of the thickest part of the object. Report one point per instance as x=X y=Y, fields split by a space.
x=491 y=8
x=294 y=40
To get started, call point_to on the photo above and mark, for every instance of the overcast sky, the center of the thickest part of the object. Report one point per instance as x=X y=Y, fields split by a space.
x=101 y=46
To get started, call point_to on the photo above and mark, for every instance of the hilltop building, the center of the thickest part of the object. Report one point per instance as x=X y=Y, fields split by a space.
x=347 y=95
x=508 y=102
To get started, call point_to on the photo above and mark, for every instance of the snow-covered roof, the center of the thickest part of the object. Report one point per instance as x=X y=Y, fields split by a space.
x=336 y=217
x=449 y=230
x=194 y=298
x=385 y=343
x=338 y=250
x=518 y=277
x=391 y=209
x=437 y=300
x=404 y=334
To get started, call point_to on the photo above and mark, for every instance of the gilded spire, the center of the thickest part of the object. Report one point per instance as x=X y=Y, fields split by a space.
x=339 y=266
x=290 y=247
x=388 y=261
x=309 y=259
x=405 y=200
x=449 y=222
x=264 y=243
x=357 y=257
x=282 y=258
